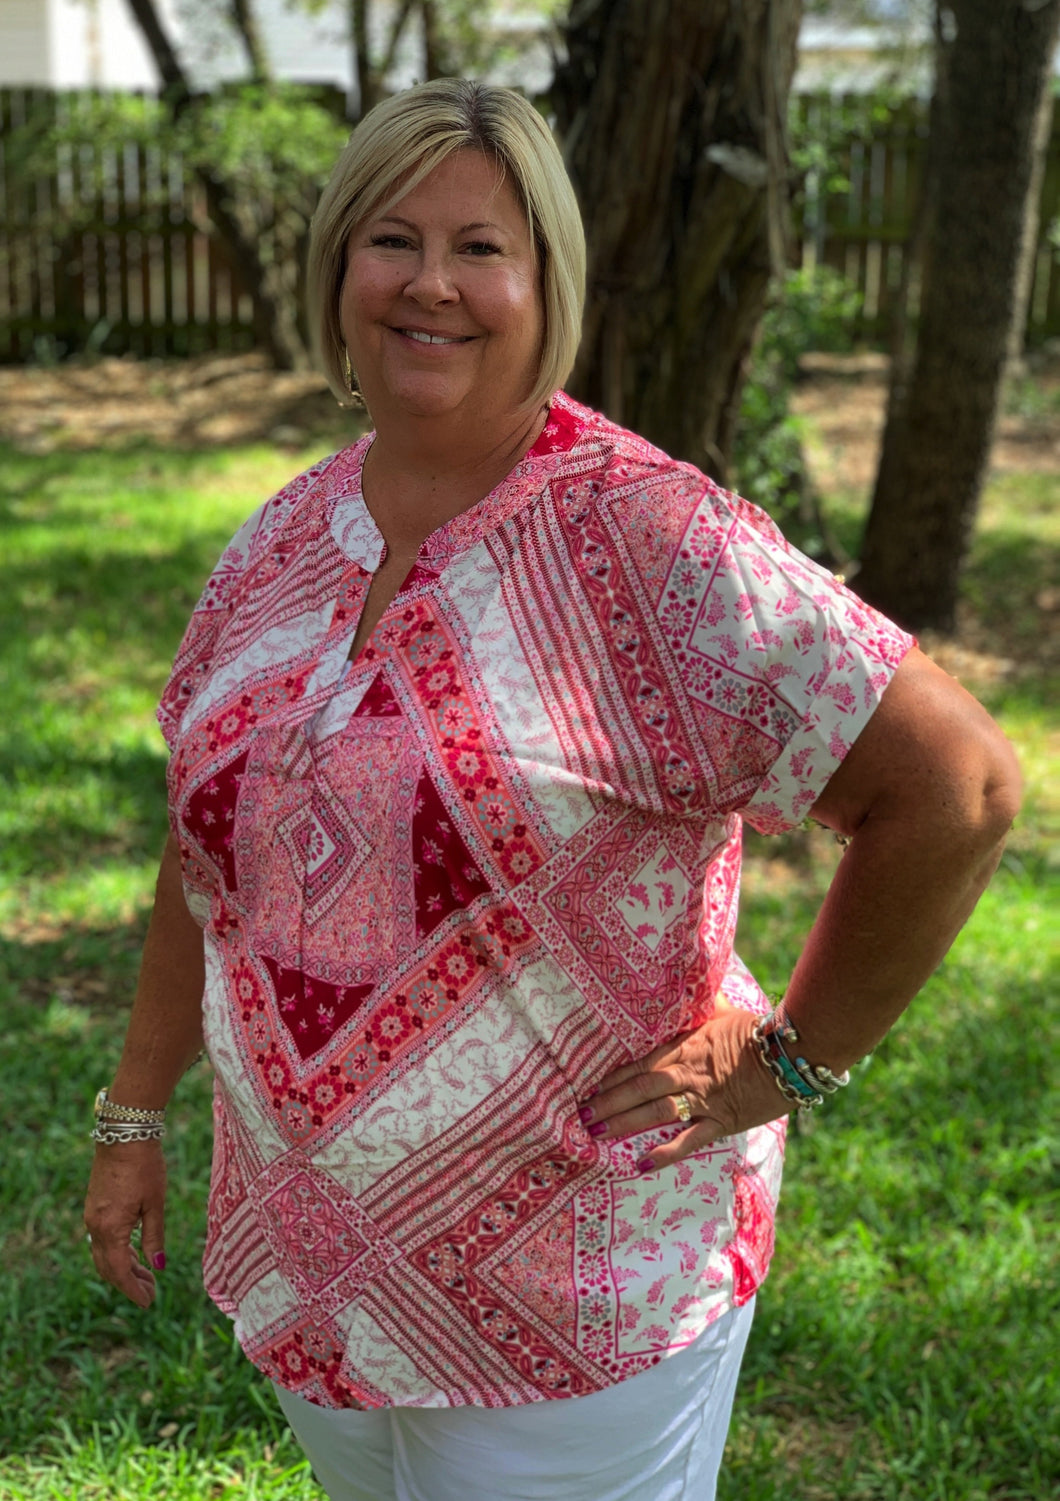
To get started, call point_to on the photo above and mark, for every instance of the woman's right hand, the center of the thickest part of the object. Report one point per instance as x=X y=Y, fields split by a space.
x=126 y=1189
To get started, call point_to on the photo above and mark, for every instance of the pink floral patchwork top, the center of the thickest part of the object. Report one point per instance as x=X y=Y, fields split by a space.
x=448 y=887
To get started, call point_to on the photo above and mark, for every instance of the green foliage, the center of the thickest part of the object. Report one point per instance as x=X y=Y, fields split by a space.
x=468 y=45
x=279 y=142
x=814 y=310
x=826 y=133
x=473 y=37
x=810 y=311
x=274 y=147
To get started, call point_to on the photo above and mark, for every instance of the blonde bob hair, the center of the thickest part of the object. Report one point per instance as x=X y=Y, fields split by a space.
x=401 y=141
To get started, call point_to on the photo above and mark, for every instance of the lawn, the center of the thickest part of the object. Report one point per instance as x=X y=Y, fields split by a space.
x=904 y=1348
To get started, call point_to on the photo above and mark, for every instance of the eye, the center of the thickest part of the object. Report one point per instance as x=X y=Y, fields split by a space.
x=389 y=242
x=482 y=247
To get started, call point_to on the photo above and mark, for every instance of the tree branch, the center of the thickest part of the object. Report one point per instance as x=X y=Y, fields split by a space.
x=246 y=23
x=174 y=81
x=367 y=81
x=396 y=31
x=273 y=329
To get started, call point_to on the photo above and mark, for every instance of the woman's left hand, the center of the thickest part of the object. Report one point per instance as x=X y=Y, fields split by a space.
x=718 y=1070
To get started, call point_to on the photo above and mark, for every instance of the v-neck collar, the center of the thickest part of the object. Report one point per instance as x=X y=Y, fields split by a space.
x=358 y=538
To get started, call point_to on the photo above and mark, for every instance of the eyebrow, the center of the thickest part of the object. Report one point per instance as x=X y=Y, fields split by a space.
x=463 y=230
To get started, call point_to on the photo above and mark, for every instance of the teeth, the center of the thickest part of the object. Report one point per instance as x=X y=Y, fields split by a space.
x=430 y=338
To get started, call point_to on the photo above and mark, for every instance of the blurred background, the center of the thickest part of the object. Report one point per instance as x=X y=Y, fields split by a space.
x=823 y=265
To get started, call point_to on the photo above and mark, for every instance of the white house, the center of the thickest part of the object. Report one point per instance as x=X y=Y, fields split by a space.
x=97 y=43
x=837 y=58
x=69 y=44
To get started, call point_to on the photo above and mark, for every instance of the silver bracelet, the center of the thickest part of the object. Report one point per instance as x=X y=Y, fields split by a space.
x=817 y=1075
x=110 y=1133
x=804 y=1085
x=795 y=1088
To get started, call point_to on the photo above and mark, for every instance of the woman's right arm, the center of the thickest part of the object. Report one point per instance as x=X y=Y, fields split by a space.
x=128 y=1182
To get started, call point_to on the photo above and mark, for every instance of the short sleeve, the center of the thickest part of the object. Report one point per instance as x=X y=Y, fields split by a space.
x=191 y=666
x=781 y=664
x=196 y=650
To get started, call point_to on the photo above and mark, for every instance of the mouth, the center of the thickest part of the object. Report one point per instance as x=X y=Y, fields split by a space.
x=424 y=338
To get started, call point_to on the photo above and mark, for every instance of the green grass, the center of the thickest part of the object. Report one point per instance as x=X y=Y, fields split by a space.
x=905 y=1343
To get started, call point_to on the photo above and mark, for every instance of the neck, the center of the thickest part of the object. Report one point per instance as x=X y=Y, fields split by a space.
x=421 y=472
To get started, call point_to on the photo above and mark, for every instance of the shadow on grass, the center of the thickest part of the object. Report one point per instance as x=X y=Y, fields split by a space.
x=1009 y=575
x=93 y=968
x=129 y=596
x=75 y=812
x=24 y=475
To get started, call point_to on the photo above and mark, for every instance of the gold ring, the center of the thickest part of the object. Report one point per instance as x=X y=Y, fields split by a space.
x=684 y=1108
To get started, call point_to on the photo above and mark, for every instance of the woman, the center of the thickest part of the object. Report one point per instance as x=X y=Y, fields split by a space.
x=463 y=730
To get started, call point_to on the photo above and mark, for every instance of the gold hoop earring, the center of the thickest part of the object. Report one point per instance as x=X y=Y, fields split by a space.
x=348 y=371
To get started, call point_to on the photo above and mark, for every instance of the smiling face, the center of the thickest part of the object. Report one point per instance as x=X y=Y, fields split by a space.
x=441 y=307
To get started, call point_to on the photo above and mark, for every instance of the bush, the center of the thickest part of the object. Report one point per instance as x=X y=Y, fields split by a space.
x=812 y=311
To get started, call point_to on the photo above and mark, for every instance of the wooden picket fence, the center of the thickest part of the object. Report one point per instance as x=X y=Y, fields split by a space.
x=856 y=210
x=144 y=277
x=109 y=248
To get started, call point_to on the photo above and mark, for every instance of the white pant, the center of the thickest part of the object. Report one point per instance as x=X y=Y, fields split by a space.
x=657 y=1437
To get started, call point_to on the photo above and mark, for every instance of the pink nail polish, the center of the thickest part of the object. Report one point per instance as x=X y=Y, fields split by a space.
x=645 y=1165
x=585 y=1114
x=158 y=1261
x=598 y=1129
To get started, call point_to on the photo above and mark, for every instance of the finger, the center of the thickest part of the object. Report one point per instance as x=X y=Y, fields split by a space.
x=623 y=1116
x=126 y=1190
x=153 y=1240
x=118 y=1264
x=637 y=1091
x=703 y=1134
x=664 y=1055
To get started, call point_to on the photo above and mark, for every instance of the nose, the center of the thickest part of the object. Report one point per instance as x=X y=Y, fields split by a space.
x=431 y=282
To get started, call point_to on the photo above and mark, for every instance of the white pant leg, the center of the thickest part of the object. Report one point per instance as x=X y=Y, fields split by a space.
x=352 y=1453
x=657 y=1437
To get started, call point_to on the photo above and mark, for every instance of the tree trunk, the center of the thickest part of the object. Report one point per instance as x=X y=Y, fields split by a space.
x=674 y=119
x=1043 y=130
x=368 y=83
x=901 y=334
x=433 y=66
x=372 y=72
x=268 y=282
x=246 y=24
x=994 y=58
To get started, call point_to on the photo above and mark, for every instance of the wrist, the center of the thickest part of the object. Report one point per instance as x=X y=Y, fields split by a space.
x=119 y=1124
x=803 y=1083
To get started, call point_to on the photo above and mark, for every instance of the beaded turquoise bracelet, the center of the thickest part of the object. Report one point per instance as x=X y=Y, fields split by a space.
x=818 y=1075
x=803 y=1084
x=795 y=1089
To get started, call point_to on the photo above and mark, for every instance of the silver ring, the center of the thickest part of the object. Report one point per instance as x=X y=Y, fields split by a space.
x=684 y=1108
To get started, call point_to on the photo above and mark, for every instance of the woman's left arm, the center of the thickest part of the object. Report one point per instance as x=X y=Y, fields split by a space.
x=926 y=796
